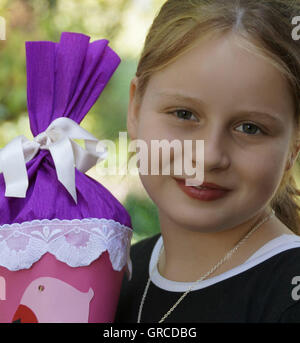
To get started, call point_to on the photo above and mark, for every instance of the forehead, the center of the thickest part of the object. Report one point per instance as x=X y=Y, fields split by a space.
x=221 y=72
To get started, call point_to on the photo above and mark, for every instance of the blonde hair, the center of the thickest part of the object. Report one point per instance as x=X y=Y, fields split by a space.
x=266 y=27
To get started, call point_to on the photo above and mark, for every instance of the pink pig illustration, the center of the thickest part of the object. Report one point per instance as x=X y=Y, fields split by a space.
x=50 y=300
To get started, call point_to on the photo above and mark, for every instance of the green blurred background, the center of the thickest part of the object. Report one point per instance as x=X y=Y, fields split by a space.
x=124 y=23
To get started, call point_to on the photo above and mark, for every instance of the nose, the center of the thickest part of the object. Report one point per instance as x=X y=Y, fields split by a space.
x=216 y=149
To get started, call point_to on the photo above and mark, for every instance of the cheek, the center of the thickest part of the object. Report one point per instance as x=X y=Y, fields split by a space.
x=153 y=186
x=157 y=137
x=263 y=172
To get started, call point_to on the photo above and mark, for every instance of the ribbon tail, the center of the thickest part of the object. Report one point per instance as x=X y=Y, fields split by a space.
x=12 y=164
x=63 y=157
x=86 y=159
x=97 y=148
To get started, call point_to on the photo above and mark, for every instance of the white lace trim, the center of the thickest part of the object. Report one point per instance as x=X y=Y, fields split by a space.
x=76 y=242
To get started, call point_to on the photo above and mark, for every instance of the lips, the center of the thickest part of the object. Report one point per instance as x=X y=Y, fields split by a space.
x=207 y=193
x=206 y=185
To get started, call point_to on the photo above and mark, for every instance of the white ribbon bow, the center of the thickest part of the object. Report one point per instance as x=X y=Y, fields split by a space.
x=66 y=154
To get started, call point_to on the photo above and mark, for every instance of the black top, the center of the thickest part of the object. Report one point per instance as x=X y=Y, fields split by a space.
x=262 y=293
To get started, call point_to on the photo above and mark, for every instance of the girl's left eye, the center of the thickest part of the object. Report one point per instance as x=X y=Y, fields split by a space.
x=184 y=114
x=251 y=128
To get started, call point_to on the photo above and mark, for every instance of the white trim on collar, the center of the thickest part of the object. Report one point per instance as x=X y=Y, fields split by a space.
x=273 y=247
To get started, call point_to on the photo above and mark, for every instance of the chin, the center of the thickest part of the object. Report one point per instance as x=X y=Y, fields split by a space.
x=190 y=220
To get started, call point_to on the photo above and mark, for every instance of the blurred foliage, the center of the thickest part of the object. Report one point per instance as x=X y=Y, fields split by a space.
x=110 y=111
x=45 y=20
x=145 y=221
x=124 y=23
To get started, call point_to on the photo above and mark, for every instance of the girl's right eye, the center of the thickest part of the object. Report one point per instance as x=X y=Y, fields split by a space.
x=184 y=114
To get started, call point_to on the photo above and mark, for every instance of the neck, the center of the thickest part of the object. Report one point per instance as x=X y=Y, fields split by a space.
x=189 y=254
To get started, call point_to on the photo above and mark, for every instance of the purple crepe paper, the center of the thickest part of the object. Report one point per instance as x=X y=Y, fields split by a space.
x=63 y=80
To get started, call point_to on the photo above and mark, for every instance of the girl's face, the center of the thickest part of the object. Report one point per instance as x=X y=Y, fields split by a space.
x=240 y=105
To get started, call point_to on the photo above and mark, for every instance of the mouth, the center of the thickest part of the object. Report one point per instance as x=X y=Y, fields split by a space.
x=205 y=192
x=205 y=185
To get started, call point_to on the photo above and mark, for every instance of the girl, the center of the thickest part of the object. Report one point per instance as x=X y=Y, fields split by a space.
x=228 y=73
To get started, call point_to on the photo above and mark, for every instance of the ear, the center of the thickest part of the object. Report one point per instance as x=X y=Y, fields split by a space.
x=133 y=110
x=294 y=155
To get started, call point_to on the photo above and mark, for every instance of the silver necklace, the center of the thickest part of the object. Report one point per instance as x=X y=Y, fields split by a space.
x=225 y=258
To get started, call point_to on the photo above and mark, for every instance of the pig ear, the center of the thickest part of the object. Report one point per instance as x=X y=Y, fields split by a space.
x=90 y=294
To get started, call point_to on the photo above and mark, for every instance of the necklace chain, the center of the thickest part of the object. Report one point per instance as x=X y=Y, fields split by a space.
x=226 y=257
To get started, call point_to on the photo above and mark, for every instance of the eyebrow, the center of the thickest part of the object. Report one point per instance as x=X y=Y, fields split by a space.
x=179 y=96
